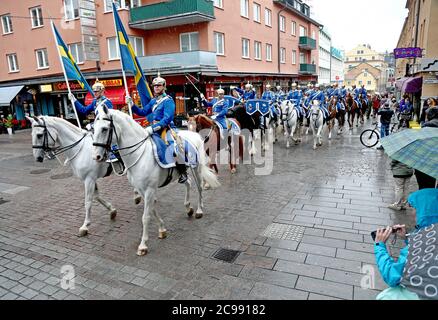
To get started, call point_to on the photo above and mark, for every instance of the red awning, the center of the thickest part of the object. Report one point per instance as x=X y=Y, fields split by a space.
x=116 y=95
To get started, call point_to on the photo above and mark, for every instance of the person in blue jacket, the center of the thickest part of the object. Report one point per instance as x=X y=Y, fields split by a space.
x=160 y=111
x=268 y=94
x=425 y=203
x=295 y=95
x=220 y=107
x=248 y=93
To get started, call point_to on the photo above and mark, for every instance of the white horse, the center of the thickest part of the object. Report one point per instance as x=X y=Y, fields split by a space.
x=316 y=123
x=290 y=121
x=144 y=173
x=77 y=145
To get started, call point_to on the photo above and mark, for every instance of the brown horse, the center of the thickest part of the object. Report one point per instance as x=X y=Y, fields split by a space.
x=214 y=143
x=352 y=110
x=336 y=114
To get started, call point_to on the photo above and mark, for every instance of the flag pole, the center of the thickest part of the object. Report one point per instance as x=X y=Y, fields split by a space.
x=65 y=74
x=121 y=60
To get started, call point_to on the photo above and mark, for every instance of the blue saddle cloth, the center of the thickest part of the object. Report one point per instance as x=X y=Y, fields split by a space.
x=167 y=153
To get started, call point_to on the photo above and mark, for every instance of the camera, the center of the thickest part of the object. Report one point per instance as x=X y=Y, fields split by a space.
x=374 y=233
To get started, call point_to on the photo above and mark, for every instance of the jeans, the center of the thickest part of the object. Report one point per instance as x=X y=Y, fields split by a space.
x=401 y=191
x=384 y=130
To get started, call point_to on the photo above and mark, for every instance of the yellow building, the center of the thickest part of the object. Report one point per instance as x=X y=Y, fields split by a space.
x=364 y=74
x=420 y=32
x=363 y=57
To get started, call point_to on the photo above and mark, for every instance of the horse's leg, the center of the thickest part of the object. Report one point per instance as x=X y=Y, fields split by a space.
x=320 y=134
x=137 y=197
x=148 y=198
x=109 y=206
x=187 y=199
x=199 y=212
x=89 y=192
x=232 y=154
x=162 y=232
x=330 y=127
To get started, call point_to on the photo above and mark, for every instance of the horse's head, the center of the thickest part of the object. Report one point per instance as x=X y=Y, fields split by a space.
x=286 y=108
x=103 y=133
x=43 y=137
x=315 y=111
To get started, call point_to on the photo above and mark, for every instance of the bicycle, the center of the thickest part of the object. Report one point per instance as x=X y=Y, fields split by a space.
x=371 y=137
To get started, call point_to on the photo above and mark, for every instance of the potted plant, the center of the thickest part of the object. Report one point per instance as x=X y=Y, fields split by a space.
x=9 y=123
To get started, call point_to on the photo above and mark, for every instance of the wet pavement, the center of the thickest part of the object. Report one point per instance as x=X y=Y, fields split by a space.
x=301 y=232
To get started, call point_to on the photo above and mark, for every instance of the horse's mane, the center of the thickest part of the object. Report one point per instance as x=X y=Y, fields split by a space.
x=203 y=116
x=51 y=120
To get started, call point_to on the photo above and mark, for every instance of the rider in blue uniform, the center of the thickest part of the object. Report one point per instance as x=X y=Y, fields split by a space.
x=363 y=94
x=248 y=94
x=356 y=94
x=295 y=97
x=220 y=107
x=268 y=94
x=320 y=96
x=160 y=111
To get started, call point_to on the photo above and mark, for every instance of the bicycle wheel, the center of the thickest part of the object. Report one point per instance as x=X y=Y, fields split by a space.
x=369 y=138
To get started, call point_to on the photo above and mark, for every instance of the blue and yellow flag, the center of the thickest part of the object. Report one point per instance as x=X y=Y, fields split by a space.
x=130 y=61
x=71 y=69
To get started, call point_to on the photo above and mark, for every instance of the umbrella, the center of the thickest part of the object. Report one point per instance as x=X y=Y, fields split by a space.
x=415 y=148
x=420 y=274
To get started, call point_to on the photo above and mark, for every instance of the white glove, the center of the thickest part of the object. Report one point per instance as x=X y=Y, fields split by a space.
x=202 y=96
x=149 y=131
x=72 y=97
x=214 y=117
x=128 y=100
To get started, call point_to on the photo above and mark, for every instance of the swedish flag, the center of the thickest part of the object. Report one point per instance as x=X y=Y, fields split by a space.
x=130 y=61
x=72 y=71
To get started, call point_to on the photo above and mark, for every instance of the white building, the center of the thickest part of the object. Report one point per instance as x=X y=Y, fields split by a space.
x=324 y=56
x=337 y=66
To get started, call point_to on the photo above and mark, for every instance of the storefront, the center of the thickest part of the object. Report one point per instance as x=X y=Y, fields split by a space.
x=10 y=101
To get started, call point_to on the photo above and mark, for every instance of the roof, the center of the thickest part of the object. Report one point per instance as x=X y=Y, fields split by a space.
x=354 y=72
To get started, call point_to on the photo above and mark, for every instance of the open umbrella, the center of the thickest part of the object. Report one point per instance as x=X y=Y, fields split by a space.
x=420 y=274
x=415 y=148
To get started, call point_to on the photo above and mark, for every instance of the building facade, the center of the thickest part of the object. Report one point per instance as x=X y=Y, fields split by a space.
x=419 y=30
x=364 y=74
x=337 y=66
x=207 y=43
x=325 y=45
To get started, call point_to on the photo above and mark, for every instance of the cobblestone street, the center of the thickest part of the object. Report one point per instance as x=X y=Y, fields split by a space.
x=302 y=232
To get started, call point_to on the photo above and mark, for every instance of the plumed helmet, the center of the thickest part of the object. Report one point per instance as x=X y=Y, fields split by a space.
x=248 y=86
x=220 y=91
x=294 y=85
x=159 y=80
x=278 y=87
x=317 y=85
x=268 y=86
x=309 y=85
x=98 y=86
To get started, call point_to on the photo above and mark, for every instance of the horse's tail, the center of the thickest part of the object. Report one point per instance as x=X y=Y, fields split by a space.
x=207 y=174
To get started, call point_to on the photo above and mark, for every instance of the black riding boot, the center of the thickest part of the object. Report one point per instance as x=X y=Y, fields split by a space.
x=182 y=170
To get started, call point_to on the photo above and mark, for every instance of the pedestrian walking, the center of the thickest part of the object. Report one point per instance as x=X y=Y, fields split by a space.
x=402 y=175
x=385 y=114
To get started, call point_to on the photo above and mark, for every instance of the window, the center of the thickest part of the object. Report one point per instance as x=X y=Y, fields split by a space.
x=42 y=58
x=268 y=17
x=13 y=62
x=219 y=39
x=7 y=24
x=282 y=55
x=218 y=3
x=268 y=52
x=282 y=24
x=71 y=8
x=244 y=8
x=77 y=51
x=369 y=83
x=121 y=4
x=256 y=12
x=349 y=82
x=365 y=74
x=36 y=15
x=314 y=35
x=303 y=31
x=294 y=57
x=374 y=58
x=189 y=41
x=245 y=48
x=294 y=28
x=257 y=50
x=360 y=82
x=113 y=49
x=358 y=51
x=302 y=58
x=137 y=45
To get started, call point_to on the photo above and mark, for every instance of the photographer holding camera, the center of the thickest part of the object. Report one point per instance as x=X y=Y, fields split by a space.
x=425 y=203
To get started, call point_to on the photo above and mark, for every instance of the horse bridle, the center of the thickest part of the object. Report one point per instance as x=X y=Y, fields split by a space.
x=52 y=152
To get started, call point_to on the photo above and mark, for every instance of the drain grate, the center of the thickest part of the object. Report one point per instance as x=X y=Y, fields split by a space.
x=40 y=171
x=61 y=176
x=284 y=232
x=226 y=255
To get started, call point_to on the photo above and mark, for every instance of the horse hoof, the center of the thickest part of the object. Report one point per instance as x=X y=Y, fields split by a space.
x=113 y=214
x=233 y=171
x=137 y=200
x=162 y=234
x=199 y=215
x=191 y=212
x=83 y=232
x=142 y=252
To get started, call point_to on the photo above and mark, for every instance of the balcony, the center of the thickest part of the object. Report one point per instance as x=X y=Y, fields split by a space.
x=307 y=43
x=306 y=68
x=171 y=13
x=191 y=61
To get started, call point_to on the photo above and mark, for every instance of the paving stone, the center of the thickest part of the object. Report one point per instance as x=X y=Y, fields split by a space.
x=29 y=294
x=356 y=256
x=10 y=296
x=339 y=217
x=257 y=250
x=267 y=291
x=326 y=242
x=324 y=209
x=286 y=255
x=257 y=261
x=305 y=213
x=50 y=290
x=365 y=294
x=338 y=223
x=308 y=220
x=343 y=235
x=281 y=244
x=360 y=246
x=324 y=287
x=269 y=276
x=334 y=263
x=314 y=296
x=300 y=269
x=317 y=249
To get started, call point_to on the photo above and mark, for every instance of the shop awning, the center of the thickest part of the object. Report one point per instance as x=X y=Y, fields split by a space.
x=412 y=85
x=7 y=94
x=400 y=82
x=116 y=95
